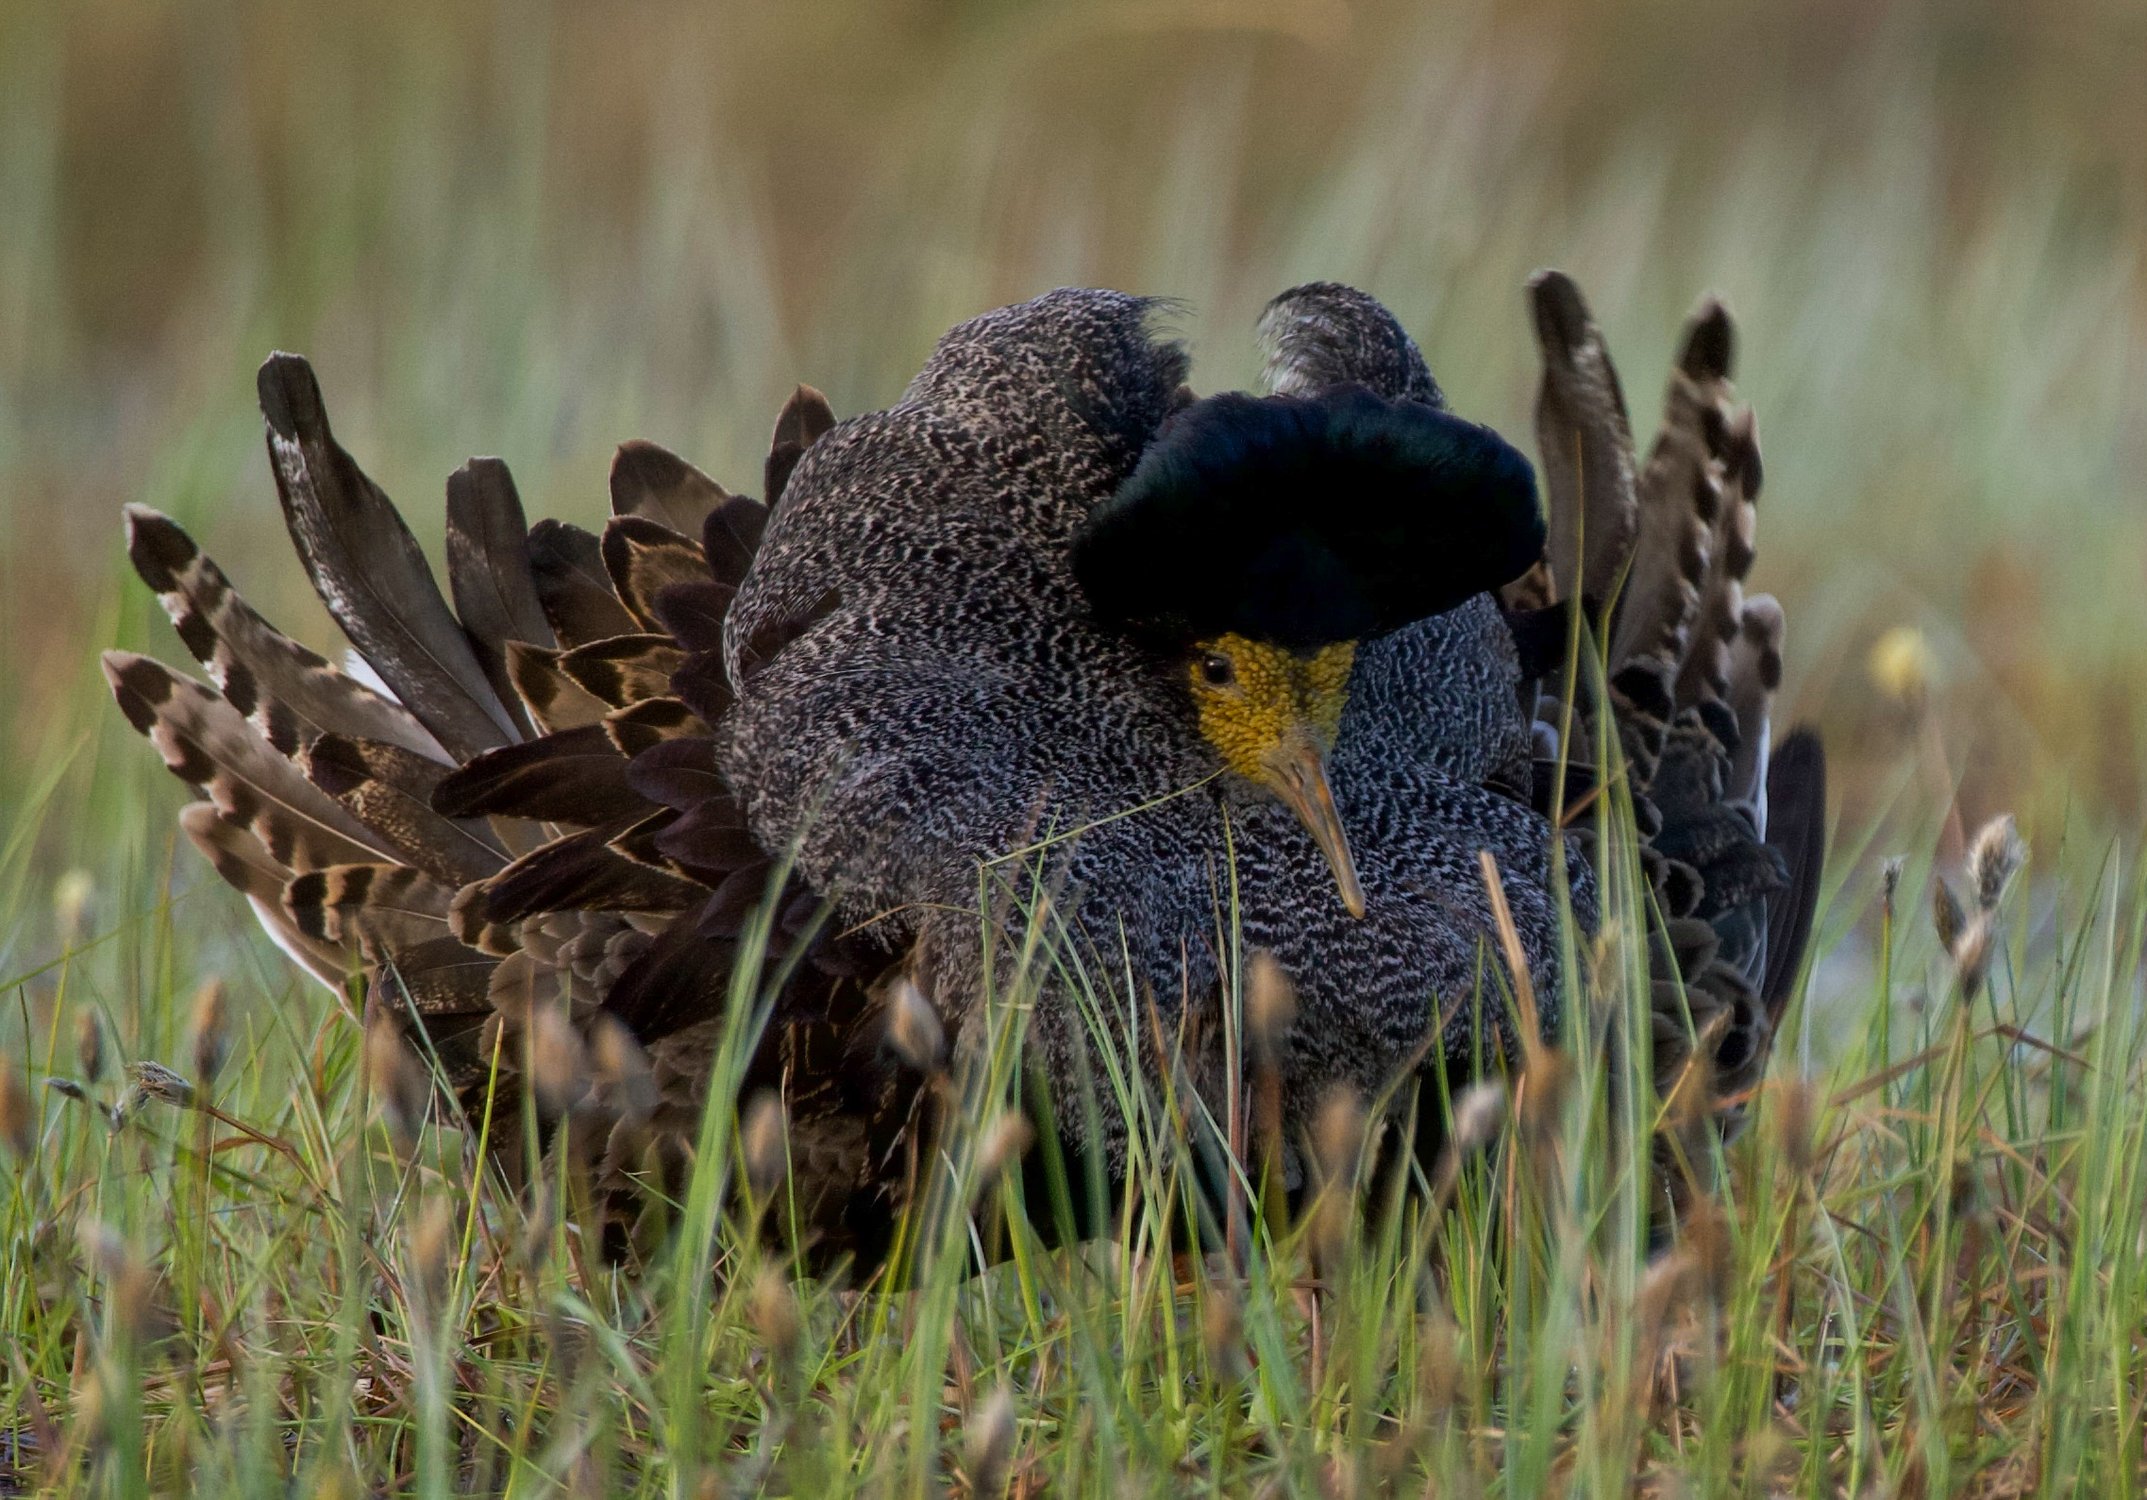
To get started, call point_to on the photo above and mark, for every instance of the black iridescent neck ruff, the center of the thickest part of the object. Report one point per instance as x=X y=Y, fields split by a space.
x=1306 y=520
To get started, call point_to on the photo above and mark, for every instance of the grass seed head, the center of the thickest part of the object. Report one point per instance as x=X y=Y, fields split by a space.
x=153 y=1081
x=621 y=1067
x=17 y=1116
x=1994 y=858
x=72 y=896
x=558 y=1062
x=774 y=1311
x=210 y=1028
x=394 y=1078
x=129 y=1283
x=1479 y=1115
x=1222 y=1333
x=1901 y=665
x=432 y=1245
x=1890 y=883
x=1006 y=1141
x=764 y=1138
x=1795 y=1119
x=89 y=1046
x=988 y=1441
x=913 y=1026
x=1270 y=1009
x=1948 y=916
x=1338 y=1135
x=1971 y=954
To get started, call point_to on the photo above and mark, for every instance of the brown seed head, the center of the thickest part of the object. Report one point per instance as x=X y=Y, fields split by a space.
x=1338 y=1136
x=558 y=1063
x=913 y=1026
x=18 y=1119
x=1222 y=1333
x=1270 y=1009
x=1994 y=858
x=989 y=1442
x=432 y=1245
x=129 y=1284
x=1971 y=954
x=774 y=1312
x=394 y=1078
x=764 y=1139
x=1005 y=1142
x=152 y=1080
x=1795 y=1115
x=1890 y=883
x=1947 y=916
x=623 y=1075
x=89 y=1046
x=210 y=1027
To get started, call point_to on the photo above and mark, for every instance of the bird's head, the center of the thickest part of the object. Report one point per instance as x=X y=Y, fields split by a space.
x=1260 y=540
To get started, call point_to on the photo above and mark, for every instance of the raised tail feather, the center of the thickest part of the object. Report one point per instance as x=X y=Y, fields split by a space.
x=532 y=827
x=1656 y=554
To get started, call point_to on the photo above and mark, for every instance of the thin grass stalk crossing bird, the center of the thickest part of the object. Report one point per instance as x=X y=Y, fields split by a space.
x=1049 y=640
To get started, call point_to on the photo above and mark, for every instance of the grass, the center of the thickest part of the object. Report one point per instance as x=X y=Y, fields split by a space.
x=539 y=232
x=1924 y=1272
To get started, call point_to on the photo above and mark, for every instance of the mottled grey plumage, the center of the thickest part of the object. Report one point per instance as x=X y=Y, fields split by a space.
x=961 y=701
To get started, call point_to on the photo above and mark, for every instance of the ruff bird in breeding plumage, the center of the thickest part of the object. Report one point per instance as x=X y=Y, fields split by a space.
x=1050 y=640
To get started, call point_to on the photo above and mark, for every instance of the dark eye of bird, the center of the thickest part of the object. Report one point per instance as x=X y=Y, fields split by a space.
x=1217 y=670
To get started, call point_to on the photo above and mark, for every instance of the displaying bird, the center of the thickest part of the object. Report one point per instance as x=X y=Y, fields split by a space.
x=1050 y=641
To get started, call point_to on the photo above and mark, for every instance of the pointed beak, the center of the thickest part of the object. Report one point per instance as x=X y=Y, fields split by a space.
x=1297 y=771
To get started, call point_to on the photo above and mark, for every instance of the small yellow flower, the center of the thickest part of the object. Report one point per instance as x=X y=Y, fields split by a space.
x=1901 y=664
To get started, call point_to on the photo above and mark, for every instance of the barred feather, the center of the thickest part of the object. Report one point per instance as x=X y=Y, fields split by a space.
x=206 y=744
x=287 y=692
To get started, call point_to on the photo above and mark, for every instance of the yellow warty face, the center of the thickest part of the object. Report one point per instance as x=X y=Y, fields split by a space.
x=1252 y=697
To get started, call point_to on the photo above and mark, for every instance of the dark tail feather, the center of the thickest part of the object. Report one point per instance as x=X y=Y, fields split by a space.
x=369 y=572
x=1796 y=827
x=489 y=574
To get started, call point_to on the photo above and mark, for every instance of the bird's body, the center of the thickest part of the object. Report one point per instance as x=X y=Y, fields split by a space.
x=979 y=666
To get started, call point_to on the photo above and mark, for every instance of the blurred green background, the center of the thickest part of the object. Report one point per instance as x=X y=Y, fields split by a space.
x=535 y=231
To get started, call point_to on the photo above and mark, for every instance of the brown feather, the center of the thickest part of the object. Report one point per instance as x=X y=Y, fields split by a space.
x=644 y=558
x=625 y=669
x=287 y=692
x=489 y=574
x=206 y=744
x=554 y=700
x=1681 y=497
x=803 y=421
x=574 y=777
x=384 y=908
x=654 y=482
x=390 y=792
x=650 y=722
x=237 y=856
x=1584 y=442
x=568 y=566
x=369 y=572
x=582 y=873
